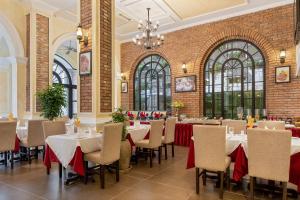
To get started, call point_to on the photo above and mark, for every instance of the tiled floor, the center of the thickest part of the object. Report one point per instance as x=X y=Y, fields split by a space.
x=168 y=181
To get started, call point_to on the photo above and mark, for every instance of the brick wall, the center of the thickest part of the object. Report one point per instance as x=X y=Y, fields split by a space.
x=28 y=63
x=271 y=30
x=86 y=81
x=42 y=54
x=106 y=56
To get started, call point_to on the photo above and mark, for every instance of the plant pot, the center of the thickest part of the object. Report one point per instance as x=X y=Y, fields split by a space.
x=125 y=156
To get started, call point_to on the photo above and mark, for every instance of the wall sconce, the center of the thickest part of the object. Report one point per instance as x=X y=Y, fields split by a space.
x=282 y=55
x=80 y=37
x=184 y=68
x=123 y=77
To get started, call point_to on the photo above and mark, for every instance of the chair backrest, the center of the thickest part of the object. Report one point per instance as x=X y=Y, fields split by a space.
x=210 y=122
x=53 y=128
x=170 y=130
x=210 y=147
x=278 y=125
x=237 y=125
x=156 y=132
x=111 y=144
x=7 y=135
x=269 y=154
x=35 y=133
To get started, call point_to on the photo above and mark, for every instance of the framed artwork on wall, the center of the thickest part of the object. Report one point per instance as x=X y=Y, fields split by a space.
x=85 y=63
x=124 y=87
x=283 y=74
x=185 y=84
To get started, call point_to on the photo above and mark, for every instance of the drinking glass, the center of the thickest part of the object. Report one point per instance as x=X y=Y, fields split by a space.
x=240 y=112
x=231 y=130
x=257 y=114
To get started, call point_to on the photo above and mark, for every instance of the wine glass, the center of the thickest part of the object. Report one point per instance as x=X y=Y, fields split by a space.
x=231 y=130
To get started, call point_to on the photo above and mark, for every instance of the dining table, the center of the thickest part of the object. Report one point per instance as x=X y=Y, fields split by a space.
x=69 y=149
x=237 y=149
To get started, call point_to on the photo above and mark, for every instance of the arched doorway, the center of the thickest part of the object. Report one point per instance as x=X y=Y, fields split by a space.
x=65 y=73
x=234 y=77
x=152 y=84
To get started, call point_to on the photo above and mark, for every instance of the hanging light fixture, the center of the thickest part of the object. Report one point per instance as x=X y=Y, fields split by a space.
x=147 y=39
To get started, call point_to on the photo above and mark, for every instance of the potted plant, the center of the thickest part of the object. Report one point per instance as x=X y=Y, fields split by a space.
x=52 y=101
x=125 y=154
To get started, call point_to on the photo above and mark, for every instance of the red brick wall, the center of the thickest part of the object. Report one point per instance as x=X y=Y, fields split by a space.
x=106 y=55
x=42 y=54
x=28 y=63
x=271 y=30
x=86 y=81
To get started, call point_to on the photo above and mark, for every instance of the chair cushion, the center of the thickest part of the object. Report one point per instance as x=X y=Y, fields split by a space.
x=143 y=144
x=226 y=165
x=93 y=157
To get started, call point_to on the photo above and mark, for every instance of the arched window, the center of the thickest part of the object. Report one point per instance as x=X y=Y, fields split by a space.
x=234 y=77
x=152 y=84
x=66 y=77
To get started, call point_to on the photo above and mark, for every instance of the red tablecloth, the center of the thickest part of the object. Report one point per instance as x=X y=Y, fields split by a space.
x=241 y=164
x=296 y=132
x=183 y=134
x=17 y=145
x=76 y=162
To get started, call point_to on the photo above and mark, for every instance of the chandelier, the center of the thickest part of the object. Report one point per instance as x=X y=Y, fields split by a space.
x=147 y=39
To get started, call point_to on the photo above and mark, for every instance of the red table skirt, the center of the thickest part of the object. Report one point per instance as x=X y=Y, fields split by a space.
x=296 y=132
x=183 y=134
x=240 y=160
x=17 y=145
x=76 y=162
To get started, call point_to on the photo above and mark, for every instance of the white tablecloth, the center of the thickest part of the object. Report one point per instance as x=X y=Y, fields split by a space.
x=234 y=140
x=22 y=132
x=138 y=133
x=64 y=146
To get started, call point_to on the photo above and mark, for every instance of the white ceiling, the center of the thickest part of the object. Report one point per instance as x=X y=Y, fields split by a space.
x=172 y=14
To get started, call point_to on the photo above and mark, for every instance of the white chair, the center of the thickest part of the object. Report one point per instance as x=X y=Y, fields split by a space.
x=109 y=153
x=237 y=125
x=35 y=138
x=278 y=125
x=168 y=138
x=154 y=141
x=210 y=153
x=265 y=151
x=8 y=139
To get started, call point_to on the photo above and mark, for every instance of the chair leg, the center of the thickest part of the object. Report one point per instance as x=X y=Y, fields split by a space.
x=12 y=159
x=159 y=155
x=251 y=188
x=60 y=170
x=28 y=155
x=102 y=175
x=44 y=150
x=228 y=178
x=166 y=151
x=204 y=177
x=221 y=185
x=5 y=159
x=36 y=153
x=197 y=180
x=173 y=154
x=86 y=168
x=151 y=157
x=284 y=192
x=117 y=171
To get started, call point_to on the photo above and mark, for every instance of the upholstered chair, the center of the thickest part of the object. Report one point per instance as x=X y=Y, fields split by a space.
x=237 y=125
x=266 y=150
x=109 y=153
x=210 y=153
x=53 y=128
x=278 y=125
x=8 y=138
x=35 y=138
x=168 y=138
x=154 y=142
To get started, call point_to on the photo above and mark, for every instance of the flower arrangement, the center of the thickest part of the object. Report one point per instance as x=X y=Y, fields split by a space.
x=130 y=115
x=143 y=115
x=157 y=115
x=177 y=105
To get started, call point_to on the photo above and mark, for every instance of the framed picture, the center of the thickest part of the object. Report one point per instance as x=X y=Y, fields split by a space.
x=283 y=74
x=185 y=84
x=124 y=87
x=85 y=63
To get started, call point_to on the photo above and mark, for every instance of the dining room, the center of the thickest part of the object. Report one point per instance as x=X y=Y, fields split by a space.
x=149 y=99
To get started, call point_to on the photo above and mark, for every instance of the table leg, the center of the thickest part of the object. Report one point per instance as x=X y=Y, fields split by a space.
x=60 y=170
